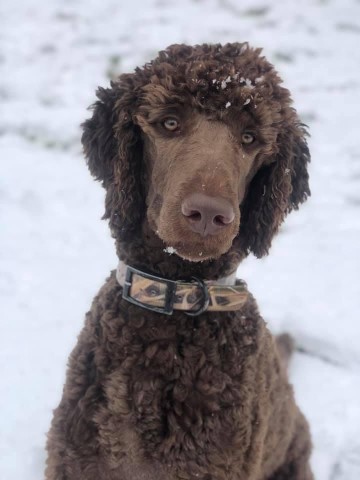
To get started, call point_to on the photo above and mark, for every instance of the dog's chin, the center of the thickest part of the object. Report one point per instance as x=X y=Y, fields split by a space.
x=197 y=251
x=200 y=257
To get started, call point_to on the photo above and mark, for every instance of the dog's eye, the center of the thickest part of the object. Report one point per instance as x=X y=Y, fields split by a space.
x=247 y=138
x=171 y=124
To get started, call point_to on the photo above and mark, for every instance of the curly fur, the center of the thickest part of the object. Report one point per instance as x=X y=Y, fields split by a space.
x=149 y=396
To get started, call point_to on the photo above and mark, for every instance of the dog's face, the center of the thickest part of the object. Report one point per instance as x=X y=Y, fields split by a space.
x=199 y=167
x=203 y=144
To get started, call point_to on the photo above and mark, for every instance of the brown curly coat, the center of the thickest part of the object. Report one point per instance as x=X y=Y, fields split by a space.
x=149 y=396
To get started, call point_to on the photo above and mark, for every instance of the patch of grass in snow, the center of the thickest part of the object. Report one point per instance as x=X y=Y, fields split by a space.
x=308 y=117
x=348 y=466
x=48 y=49
x=257 y=11
x=65 y=16
x=45 y=140
x=312 y=30
x=113 y=68
x=4 y=95
x=308 y=52
x=348 y=27
x=355 y=201
x=49 y=101
x=231 y=6
x=267 y=24
x=283 y=57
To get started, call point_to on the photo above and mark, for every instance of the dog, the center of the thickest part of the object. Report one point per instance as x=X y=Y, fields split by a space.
x=175 y=375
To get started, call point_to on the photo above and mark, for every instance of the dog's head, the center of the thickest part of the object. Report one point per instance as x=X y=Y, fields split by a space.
x=202 y=143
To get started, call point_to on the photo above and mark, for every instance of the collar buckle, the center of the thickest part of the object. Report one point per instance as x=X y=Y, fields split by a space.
x=167 y=309
x=205 y=298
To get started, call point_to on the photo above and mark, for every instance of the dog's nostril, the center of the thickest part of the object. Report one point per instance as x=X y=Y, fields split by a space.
x=220 y=221
x=223 y=220
x=194 y=216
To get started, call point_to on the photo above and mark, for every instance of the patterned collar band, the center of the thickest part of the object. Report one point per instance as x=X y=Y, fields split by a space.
x=193 y=297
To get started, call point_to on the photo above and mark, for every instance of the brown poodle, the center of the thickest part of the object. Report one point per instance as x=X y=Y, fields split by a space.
x=175 y=375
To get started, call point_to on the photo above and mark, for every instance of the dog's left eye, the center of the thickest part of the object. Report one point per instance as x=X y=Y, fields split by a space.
x=247 y=138
x=171 y=124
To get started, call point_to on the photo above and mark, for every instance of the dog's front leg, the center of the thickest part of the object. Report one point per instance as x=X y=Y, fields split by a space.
x=293 y=471
x=296 y=465
x=72 y=439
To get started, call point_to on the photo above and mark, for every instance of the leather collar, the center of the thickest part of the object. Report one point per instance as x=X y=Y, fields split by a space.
x=193 y=297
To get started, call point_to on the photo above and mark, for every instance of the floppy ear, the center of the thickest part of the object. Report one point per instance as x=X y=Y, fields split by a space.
x=113 y=149
x=275 y=190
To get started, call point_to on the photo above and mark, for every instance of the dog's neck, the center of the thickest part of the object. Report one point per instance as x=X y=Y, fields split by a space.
x=146 y=251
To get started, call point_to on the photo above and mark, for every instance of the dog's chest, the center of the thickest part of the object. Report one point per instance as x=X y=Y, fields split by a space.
x=181 y=394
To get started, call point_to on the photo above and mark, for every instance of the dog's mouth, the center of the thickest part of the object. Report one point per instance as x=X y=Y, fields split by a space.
x=189 y=252
x=208 y=248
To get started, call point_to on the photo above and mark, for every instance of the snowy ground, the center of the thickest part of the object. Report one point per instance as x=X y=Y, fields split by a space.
x=55 y=252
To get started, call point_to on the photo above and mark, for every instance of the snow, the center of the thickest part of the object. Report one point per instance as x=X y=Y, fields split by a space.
x=55 y=252
x=228 y=104
x=225 y=82
x=247 y=81
x=170 y=250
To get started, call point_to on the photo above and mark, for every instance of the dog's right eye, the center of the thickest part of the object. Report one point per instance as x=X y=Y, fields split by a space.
x=247 y=138
x=171 y=124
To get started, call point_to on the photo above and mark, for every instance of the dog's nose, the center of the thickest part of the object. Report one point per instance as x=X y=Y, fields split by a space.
x=207 y=215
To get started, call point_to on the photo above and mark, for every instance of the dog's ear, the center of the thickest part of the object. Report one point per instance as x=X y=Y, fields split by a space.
x=276 y=189
x=113 y=149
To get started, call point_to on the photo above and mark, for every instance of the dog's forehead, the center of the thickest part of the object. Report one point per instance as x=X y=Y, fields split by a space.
x=215 y=66
x=202 y=77
x=236 y=100
x=219 y=90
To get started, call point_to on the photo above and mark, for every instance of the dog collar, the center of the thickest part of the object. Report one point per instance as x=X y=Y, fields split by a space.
x=193 y=297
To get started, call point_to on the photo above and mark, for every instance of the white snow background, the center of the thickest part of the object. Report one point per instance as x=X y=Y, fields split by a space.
x=55 y=252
